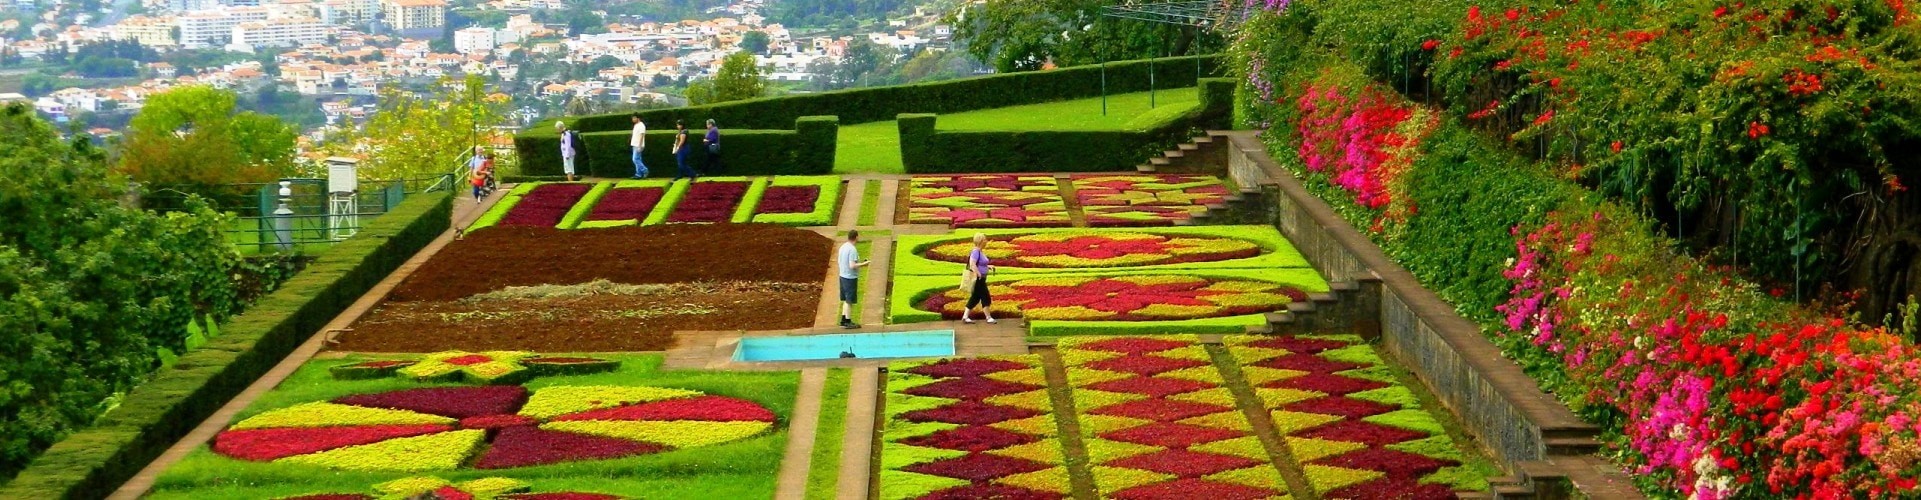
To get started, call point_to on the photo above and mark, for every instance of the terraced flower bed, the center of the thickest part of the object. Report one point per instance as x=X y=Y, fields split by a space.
x=710 y=201
x=800 y=201
x=628 y=203
x=1146 y=200
x=545 y=205
x=434 y=487
x=1096 y=250
x=1357 y=431
x=971 y=428
x=993 y=200
x=1158 y=421
x=1211 y=301
x=666 y=434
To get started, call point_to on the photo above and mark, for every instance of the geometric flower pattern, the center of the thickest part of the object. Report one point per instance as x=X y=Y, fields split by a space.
x=990 y=200
x=1123 y=298
x=1097 y=249
x=440 y=489
x=490 y=427
x=971 y=428
x=1146 y=200
x=492 y=367
x=1159 y=421
x=1358 y=432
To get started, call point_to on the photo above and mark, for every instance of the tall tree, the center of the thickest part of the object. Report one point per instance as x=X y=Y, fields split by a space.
x=739 y=78
x=193 y=136
x=1021 y=35
x=755 y=42
x=414 y=136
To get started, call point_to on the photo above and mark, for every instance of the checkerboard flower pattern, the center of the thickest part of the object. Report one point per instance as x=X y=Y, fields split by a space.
x=987 y=200
x=1146 y=200
x=971 y=428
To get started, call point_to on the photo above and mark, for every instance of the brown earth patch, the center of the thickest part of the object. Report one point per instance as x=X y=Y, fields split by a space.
x=501 y=257
x=589 y=323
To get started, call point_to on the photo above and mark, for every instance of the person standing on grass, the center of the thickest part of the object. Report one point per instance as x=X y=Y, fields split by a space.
x=712 y=140
x=850 y=264
x=976 y=278
x=639 y=144
x=681 y=148
x=569 y=146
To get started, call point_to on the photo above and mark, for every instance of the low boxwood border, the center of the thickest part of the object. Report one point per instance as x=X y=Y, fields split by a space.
x=499 y=211
x=744 y=212
x=1281 y=253
x=585 y=206
x=908 y=291
x=93 y=462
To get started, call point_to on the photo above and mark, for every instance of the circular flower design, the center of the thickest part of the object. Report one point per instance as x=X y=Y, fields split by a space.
x=492 y=427
x=1101 y=249
x=1125 y=298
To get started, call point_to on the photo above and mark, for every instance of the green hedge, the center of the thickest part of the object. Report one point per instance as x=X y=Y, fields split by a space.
x=807 y=150
x=925 y=149
x=875 y=104
x=93 y=462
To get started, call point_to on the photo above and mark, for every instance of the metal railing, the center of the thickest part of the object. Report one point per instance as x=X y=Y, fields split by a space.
x=315 y=218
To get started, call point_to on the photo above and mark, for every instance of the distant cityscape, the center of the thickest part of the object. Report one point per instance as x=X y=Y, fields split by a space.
x=338 y=55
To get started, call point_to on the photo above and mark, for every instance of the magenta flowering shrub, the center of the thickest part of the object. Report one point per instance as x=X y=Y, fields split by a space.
x=1364 y=140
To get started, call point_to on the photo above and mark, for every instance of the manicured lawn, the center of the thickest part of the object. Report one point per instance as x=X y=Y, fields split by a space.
x=823 y=474
x=870 y=204
x=875 y=147
x=742 y=468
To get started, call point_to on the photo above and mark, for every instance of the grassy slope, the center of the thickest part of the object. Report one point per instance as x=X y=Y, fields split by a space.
x=875 y=147
x=742 y=469
x=824 y=471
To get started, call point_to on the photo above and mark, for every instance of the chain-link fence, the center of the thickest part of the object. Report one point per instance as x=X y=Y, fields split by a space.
x=313 y=218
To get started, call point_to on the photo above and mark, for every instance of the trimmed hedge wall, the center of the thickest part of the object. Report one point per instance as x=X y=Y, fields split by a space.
x=927 y=150
x=95 y=461
x=806 y=150
x=875 y=104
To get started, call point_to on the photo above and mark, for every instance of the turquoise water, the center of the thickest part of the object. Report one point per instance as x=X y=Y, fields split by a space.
x=864 y=345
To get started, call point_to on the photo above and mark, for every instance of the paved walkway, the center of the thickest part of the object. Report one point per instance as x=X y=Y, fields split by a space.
x=791 y=484
x=464 y=214
x=857 y=447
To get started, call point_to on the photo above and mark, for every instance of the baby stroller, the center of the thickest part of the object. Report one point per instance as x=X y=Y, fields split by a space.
x=482 y=179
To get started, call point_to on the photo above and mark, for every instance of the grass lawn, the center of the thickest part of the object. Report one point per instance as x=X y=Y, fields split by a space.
x=870 y=204
x=875 y=147
x=823 y=472
x=738 y=469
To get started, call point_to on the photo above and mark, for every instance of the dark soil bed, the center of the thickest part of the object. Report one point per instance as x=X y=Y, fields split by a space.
x=501 y=257
x=594 y=323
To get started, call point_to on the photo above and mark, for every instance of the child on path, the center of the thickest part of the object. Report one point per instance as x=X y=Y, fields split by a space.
x=850 y=264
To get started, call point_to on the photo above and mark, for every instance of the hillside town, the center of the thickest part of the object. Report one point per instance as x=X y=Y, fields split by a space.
x=339 y=54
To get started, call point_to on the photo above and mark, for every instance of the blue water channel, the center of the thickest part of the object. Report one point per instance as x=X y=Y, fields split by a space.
x=933 y=343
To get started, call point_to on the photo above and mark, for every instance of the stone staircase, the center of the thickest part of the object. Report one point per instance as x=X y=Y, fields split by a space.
x=1201 y=155
x=1330 y=312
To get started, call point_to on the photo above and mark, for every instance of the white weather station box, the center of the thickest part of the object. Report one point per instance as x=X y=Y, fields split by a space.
x=343 y=203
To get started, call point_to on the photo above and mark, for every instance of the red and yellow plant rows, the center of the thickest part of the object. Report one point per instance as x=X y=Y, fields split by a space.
x=1124 y=298
x=1357 y=432
x=1146 y=200
x=491 y=427
x=989 y=200
x=971 y=428
x=1098 y=249
x=1159 y=422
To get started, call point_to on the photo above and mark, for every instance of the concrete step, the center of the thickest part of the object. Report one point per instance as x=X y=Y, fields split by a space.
x=1144 y=168
x=1188 y=146
x=1572 y=431
x=1159 y=162
x=1572 y=446
x=1512 y=492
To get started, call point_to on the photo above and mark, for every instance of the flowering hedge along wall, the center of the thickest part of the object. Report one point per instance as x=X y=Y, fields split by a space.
x=800 y=201
x=490 y=427
x=971 y=428
x=1146 y=200
x=1123 y=298
x=1356 y=430
x=1005 y=200
x=1158 y=421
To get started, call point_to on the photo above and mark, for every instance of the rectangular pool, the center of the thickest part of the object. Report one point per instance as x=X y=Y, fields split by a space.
x=921 y=344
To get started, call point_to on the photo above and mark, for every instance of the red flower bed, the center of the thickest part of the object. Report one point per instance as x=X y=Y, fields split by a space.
x=1171 y=435
x=964 y=367
x=1307 y=363
x=1134 y=345
x=1341 y=407
x=1155 y=387
x=974 y=438
x=1333 y=385
x=271 y=444
x=529 y=445
x=965 y=380
x=978 y=467
x=1396 y=488
x=496 y=421
x=545 y=205
x=1125 y=298
x=627 y=203
x=990 y=200
x=788 y=200
x=1355 y=431
x=1188 y=488
x=995 y=491
x=1160 y=409
x=969 y=413
x=1144 y=365
x=709 y=202
x=1184 y=463
x=703 y=408
x=1397 y=464
x=1146 y=200
x=565 y=495
x=455 y=402
x=969 y=388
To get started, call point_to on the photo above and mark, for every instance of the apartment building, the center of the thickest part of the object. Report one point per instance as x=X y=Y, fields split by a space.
x=151 y=32
x=212 y=28
x=278 y=32
x=416 y=18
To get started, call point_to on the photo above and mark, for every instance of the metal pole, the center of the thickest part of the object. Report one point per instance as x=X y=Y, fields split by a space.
x=1152 y=93
x=1103 y=88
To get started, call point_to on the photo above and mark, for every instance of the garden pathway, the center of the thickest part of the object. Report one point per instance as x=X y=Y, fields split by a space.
x=464 y=214
x=797 y=461
x=857 y=447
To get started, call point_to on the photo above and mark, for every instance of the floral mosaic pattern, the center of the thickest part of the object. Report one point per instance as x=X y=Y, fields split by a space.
x=987 y=201
x=1097 y=250
x=546 y=205
x=1123 y=298
x=490 y=427
x=971 y=428
x=1146 y=200
x=494 y=367
x=435 y=488
x=1158 y=421
x=1357 y=432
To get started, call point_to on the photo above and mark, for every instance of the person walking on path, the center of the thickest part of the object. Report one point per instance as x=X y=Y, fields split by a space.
x=681 y=148
x=569 y=147
x=850 y=264
x=976 y=279
x=477 y=173
x=639 y=144
x=712 y=140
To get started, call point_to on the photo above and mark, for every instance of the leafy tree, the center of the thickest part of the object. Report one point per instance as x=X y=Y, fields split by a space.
x=833 y=12
x=193 y=136
x=739 y=78
x=755 y=42
x=91 y=292
x=1022 y=35
x=422 y=136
